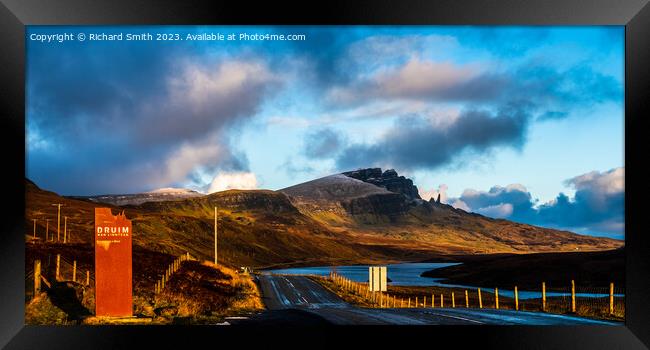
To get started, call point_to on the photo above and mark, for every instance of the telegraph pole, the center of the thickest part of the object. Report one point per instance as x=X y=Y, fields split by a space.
x=47 y=229
x=215 y=235
x=58 y=222
x=65 y=228
x=34 y=228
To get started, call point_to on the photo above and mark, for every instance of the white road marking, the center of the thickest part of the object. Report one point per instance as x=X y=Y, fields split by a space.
x=456 y=317
x=282 y=298
x=395 y=316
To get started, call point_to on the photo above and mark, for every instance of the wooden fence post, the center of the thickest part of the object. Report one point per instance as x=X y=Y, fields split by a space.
x=480 y=301
x=516 y=299
x=453 y=300
x=611 y=298
x=573 y=296
x=543 y=296
x=74 y=271
x=466 y=299
x=37 y=277
x=58 y=264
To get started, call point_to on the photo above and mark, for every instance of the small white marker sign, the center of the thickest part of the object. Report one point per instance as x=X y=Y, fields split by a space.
x=377 y=279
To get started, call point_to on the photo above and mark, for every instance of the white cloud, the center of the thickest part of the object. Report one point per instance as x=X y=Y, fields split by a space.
x=433 y=193
x=421 y=78
x=459 y=204
x=612 y=181
x=205 y=87
x=416 y=79
x=234 y=180
x=187 y=158
x=502 y=210
x=598 y=206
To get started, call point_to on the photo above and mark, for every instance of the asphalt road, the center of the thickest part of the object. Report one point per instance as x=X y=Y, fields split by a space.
x=299 y=300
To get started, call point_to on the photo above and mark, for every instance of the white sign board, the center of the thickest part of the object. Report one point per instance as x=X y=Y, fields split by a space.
x=377 y=279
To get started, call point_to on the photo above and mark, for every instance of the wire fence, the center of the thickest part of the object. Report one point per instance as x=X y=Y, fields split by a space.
x=56 y=268
x=600 y=302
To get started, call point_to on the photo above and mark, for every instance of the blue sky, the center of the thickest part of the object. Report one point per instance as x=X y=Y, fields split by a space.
x=524 y=123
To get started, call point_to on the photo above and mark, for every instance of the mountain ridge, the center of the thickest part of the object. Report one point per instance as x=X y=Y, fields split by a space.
x=332 y=220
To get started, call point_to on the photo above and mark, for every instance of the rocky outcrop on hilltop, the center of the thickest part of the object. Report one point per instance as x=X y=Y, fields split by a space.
x=375 y=208
x=388 y=179
x=356 y=196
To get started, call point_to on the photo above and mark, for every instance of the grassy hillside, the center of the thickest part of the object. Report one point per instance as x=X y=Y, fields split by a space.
x=199 y=292
x=256 y=228
x=266 y=228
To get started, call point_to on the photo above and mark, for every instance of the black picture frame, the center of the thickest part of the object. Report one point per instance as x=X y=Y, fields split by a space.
x=15 y=14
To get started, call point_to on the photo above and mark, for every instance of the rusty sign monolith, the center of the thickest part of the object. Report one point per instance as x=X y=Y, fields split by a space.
x=113 y=268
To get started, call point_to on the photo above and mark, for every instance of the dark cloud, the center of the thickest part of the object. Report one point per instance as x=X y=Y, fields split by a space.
x=323 y=143
x=429 y=81
x=598 y=206
x=423 y=80
x=103 y=112
x=416 y=143
x=516 y=196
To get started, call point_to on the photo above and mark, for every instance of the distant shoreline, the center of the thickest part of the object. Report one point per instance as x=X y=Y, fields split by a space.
x=527 y=271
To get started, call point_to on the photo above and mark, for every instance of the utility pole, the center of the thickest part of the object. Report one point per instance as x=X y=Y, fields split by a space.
x=65 y=228
x=47 y=229
x=34 y=228
x=58 y=221
x=215 y=235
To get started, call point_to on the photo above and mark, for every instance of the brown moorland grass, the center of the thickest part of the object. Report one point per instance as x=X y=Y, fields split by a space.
x=201 y=292
x=261 y=228
x=196 y=293
x=41 y=311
